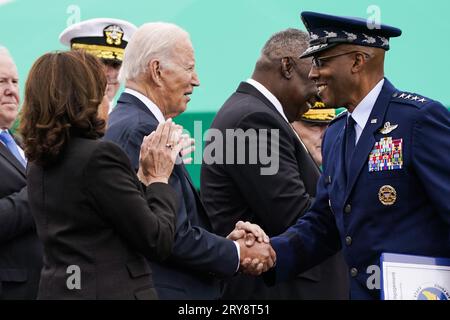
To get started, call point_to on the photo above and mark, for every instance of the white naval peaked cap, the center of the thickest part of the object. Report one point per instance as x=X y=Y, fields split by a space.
x=105 y=38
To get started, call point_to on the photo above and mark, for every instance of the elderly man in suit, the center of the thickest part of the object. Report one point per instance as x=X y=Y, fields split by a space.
x=20 y=249
x=159 y=74
x=385 y=186
x=278 y=93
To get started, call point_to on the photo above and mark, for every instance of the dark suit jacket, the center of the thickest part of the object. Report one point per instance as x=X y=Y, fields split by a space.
x=91 y=212
x=233 y=192
x=20 y=248
x=199 y=257
x=349 y=211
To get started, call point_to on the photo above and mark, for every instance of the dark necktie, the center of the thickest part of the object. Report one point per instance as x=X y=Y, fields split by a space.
x=350 y=139
x=9 y=142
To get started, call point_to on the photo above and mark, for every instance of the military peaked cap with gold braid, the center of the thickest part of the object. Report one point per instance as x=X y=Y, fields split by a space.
x=319 y=114
x=105 y=38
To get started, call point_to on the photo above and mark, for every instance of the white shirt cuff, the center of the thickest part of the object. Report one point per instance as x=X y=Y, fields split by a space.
x=238 y=248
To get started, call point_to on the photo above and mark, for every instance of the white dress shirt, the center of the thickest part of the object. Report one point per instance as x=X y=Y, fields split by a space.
x=277 y=104
x=266 y=93
x=150 y=104
x=363 y=110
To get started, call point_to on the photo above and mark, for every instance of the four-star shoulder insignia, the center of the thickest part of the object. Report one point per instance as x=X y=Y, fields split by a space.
x=409 y=97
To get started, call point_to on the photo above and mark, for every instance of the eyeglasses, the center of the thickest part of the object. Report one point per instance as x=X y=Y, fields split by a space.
x=317 y=62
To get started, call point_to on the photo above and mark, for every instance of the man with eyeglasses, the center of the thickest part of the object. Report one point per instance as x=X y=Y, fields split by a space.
x=278 y=93
x=385 y=184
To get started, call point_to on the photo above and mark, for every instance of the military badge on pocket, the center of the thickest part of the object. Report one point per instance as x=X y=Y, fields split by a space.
x=387 y=195
x=386 y=155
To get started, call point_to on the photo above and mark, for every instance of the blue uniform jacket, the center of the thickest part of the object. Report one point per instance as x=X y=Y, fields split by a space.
x=199 y=257
x=405 y=209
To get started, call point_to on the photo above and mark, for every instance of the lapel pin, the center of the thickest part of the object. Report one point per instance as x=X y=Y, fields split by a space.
x=388 y=128
x=373 y=121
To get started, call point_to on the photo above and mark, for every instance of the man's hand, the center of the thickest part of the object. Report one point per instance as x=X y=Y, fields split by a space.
x=250 y=232
x=256 y=254
x=256 y=259
x=159 y=152
x=188 y=147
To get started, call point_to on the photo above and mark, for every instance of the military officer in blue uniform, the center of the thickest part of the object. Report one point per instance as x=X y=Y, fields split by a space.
x=385 y=185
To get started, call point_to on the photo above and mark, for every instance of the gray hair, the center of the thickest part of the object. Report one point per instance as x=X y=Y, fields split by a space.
x=287 y=43
x=150 y=41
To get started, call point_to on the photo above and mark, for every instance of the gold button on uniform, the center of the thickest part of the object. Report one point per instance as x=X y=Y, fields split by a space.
x=353 y=272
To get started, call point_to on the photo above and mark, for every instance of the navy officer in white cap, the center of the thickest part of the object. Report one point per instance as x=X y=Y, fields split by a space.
x=106 y=38
x=385 y=184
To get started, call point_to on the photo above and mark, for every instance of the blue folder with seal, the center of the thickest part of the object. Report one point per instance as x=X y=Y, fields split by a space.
x=408 y=277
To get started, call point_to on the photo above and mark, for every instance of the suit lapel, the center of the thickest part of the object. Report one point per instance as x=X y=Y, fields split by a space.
x=367 y=139
x=198 y=202
x=187 y=176
x=191 y=184
x=4 y=152
x=127 y=100
x=247 y=88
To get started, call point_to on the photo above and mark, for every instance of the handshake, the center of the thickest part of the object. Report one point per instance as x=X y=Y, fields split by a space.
x=256 y=253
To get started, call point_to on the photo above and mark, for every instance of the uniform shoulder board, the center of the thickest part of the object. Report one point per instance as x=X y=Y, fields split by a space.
x=338 y=117
x=410 y=98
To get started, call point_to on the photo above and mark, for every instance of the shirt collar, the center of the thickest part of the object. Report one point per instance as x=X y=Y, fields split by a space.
x=150 y=104
x=266 y=93
x=362 y=111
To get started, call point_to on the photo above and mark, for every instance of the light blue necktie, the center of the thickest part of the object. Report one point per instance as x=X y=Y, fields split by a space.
x=9 y=142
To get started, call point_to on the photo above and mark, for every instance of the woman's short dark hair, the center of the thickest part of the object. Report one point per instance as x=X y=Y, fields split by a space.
x=62 y=95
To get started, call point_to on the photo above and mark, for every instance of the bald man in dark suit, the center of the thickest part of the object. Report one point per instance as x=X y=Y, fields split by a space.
x=271 y=195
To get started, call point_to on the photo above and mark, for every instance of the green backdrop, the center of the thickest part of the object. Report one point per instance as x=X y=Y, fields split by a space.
x=227 y=36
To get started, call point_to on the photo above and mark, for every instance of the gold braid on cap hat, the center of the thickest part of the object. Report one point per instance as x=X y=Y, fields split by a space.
x=319 y=113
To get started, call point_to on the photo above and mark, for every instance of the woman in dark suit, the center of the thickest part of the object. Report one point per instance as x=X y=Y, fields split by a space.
x=99 y=224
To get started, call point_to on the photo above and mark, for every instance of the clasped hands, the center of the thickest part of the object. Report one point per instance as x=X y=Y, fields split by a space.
x=161 y=150
x=256 y=253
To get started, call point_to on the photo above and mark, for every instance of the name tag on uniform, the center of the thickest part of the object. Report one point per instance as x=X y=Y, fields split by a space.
x=386 y=155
